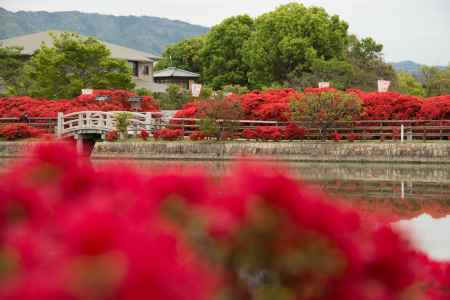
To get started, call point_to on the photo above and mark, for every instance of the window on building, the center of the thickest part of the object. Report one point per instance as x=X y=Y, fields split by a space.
x=146 y=70
x=134 y=68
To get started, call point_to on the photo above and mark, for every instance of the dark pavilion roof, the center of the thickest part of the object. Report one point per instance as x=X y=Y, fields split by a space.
x=172 y=72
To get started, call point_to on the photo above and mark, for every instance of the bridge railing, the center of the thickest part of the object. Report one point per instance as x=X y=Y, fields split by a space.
x=70 y=124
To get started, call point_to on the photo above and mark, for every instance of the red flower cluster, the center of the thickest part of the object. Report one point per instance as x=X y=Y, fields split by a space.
x=268 y=133
x=435 y=108
x=18 y=106
x=390 y=106
x=20 y=131
x=268 y=105
x=71 y=231
x=351 y=137
x=112 y=136
x=144 y=134
x=293 y=132
x=335 y=136
x=167 y=134
x=273 y=105
x=265 y=133
x=197 y=136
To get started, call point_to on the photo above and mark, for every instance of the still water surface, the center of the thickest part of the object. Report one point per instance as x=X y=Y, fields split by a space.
x=415 y=198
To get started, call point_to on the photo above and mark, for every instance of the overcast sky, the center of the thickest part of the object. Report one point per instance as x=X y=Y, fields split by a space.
x=416 y=30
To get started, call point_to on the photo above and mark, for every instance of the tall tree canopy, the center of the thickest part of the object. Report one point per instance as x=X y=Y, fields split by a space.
x=366 y=58
x=289 y=39
x=408 y=84
x=223 y=52
x=293 y=45
x=435 y=80
x=11 y=65
x=73 y=63
x=184 y=55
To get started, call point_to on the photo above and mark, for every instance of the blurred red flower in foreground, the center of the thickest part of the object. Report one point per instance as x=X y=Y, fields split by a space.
x=71 y=231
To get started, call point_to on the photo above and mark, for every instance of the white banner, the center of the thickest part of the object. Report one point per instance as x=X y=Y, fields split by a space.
x=196 y=89
x=324 y=85
x=383 y=86
x=87 y=92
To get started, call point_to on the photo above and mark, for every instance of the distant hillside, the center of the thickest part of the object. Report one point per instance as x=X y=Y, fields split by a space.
x=149 y=34
x=409 y=66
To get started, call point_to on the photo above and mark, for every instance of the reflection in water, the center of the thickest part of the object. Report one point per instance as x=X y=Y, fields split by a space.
x=415 y=196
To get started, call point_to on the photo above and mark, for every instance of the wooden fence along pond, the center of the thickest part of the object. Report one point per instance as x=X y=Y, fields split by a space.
x=92 y=122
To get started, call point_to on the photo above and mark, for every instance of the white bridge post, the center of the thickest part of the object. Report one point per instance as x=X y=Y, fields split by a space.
x=79 y=139
x=402 y=133
x=60 y=125
x=148 y=121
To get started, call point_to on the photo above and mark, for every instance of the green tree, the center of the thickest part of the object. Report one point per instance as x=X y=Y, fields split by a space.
x=11 y=67
x=73 y=63
x=122 y=123
x=366 y=58
x=340 y=73
x=289 y=39
x=222 y=54
x=408 y=84
x=436 y=81
x=184 y=55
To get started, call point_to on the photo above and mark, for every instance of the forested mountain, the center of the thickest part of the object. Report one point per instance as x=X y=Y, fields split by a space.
x=149 y=34
x=409 y=67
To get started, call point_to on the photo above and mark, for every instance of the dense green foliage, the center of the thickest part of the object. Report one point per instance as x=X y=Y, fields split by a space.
x=184 y=55
x=288 y=40
x=149 y=34
x=11 y=65
x=292 y=46
x=408 y=84
x=223 y=52
x=436 y=80
x=366 y=58
x=72 y=64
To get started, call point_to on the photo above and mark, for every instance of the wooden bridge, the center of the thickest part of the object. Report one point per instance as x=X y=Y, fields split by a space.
x=99 y=122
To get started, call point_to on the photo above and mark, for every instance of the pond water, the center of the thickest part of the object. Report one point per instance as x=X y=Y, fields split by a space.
x=415 y=198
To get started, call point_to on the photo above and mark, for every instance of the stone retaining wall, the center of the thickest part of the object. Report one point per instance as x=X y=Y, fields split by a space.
x=432 y=152
x=16 y=149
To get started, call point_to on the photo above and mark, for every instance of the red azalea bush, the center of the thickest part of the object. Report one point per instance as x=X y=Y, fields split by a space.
x=273 y=105
x=197 y=136
x=351 y=137
x=249 y=134
x=112 y=136
x=144 y=134
x=19 y=131
x=390 y=106
x=167 y=134
x=435 y=108
x=335 y=136
x=293 y=132
x=72 y=231
x=268 y=133
x=18 y=106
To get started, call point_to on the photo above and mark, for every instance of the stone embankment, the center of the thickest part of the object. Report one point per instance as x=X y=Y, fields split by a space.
x=411 y=152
